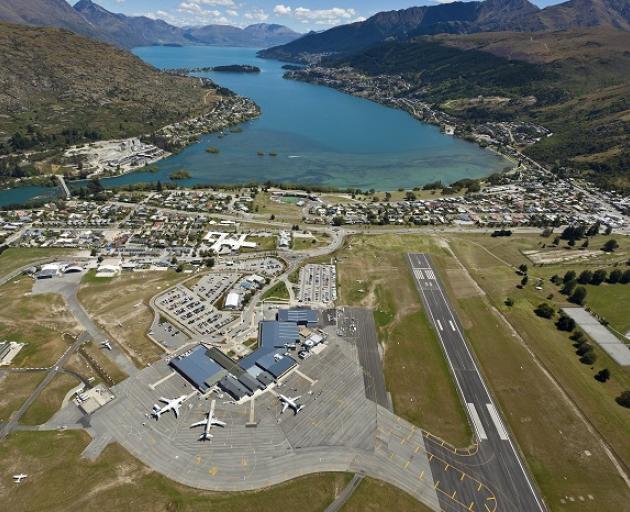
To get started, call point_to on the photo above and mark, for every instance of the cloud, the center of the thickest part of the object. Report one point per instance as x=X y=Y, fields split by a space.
x=282 y=10
x=232 y=12
x=256 y=15
x=332 y=16
x=215 y=3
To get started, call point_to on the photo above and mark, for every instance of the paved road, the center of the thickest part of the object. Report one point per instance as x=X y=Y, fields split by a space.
x=52 y=372
x=497 y=457
x=346 y=493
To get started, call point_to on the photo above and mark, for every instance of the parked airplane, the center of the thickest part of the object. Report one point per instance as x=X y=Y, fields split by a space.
x=208 y=422
x=171 y=405
x=290 y=402
x=106 y=344
x=18 y=478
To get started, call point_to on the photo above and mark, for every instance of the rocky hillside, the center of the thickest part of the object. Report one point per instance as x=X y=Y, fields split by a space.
x=455 y=18
x=58 y=88
x=90 y=19
x=46 y=13
x=575 y=83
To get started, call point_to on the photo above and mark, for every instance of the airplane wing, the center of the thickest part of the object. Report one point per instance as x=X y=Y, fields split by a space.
x=284 y=406
x=199 y=423
x=176 y=410
x=296 y=398
x=218 y=422
x=165 y=400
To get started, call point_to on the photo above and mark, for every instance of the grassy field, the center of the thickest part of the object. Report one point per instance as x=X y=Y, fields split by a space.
x=16 y=257
x=279 y=292
x=608 y=300
x=566 y=459
x=50 y=400
x=121 y=306
x=117 y=481
x=376 y=496
x=373 y=272
x=263 y=205
x=263 y=243
x=38 y=321
x=15 y=388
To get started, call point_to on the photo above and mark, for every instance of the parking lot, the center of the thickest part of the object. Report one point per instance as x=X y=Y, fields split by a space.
x=266 y=265
x=318 y=284
x=191 y=311
x=212 y=286
x=169 y=335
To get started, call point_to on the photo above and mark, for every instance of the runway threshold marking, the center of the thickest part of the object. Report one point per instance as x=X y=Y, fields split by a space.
x=439 y=325
x=163 y=379
x=452 y=325
x=497 y=422
x=481 y=432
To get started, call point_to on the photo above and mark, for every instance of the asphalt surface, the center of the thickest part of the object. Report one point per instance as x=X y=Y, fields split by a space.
x=495 y=459
x=358 y=325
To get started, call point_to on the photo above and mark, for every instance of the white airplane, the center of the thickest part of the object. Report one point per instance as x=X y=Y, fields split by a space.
x=106 y=344
x=18 y=478
x=171 y=405
x=290 y=402
x=208 y=422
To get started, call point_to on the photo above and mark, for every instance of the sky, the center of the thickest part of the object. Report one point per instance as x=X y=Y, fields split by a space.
x=300 y=15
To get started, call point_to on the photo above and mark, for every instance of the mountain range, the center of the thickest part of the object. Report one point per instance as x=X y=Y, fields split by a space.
x=456 y=18
x=91 y=20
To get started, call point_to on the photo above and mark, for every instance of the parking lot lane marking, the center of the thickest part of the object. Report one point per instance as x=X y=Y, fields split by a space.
x=463 y=476
x=421 y=477
x=471 y=506
x=453 y=495
x=446 y=467
x=480 y=486
x=417 y=449
x=437 y=483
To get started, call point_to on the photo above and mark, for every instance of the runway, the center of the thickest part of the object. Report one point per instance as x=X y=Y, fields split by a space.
x=495 y=459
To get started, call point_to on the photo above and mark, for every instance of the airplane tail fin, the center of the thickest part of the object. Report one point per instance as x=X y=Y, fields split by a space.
x=205 y=437
x=300 y=407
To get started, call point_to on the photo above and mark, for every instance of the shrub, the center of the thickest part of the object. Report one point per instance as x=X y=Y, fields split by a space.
x=544 y=310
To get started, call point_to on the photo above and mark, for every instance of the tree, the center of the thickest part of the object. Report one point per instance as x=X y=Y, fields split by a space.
x=579 y=295
x=272 y=217
x=585 y=244
x=544 y=310
x=625 y=277
x=569 y=276
x=523 y=268
x=624 y=399
x=524 y=281
x=603 y=375
x=588 y=358
x=509 y=302
x=593 y=229
x=611 y=245
x=568 y=287
x=615 y=276
x=585 y=277
x=410 y=196
x=599 y=276
x=337 y=221
x=565 y=323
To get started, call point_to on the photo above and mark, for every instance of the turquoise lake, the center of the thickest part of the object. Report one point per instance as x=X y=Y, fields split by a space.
x=321 y=136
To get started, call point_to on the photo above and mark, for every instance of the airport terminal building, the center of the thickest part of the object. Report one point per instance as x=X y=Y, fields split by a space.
x=207 y=367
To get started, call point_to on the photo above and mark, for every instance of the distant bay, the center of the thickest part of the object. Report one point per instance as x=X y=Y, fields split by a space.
x=319 y=136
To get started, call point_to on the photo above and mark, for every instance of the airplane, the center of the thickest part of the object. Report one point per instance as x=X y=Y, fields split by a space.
x=171 y=405
x=106 y=344
x=18 y=478
x=208 y=422
x=290 y=402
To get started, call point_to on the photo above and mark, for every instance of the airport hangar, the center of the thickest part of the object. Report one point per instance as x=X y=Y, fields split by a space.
x=208 y=367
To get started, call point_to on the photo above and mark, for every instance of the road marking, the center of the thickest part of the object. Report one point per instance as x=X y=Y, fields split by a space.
x=439 y=325
x=452 y=325
x=305 y=377
x=497 y=422
x=421 y=477
x=163 y=379
x=474 y=416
